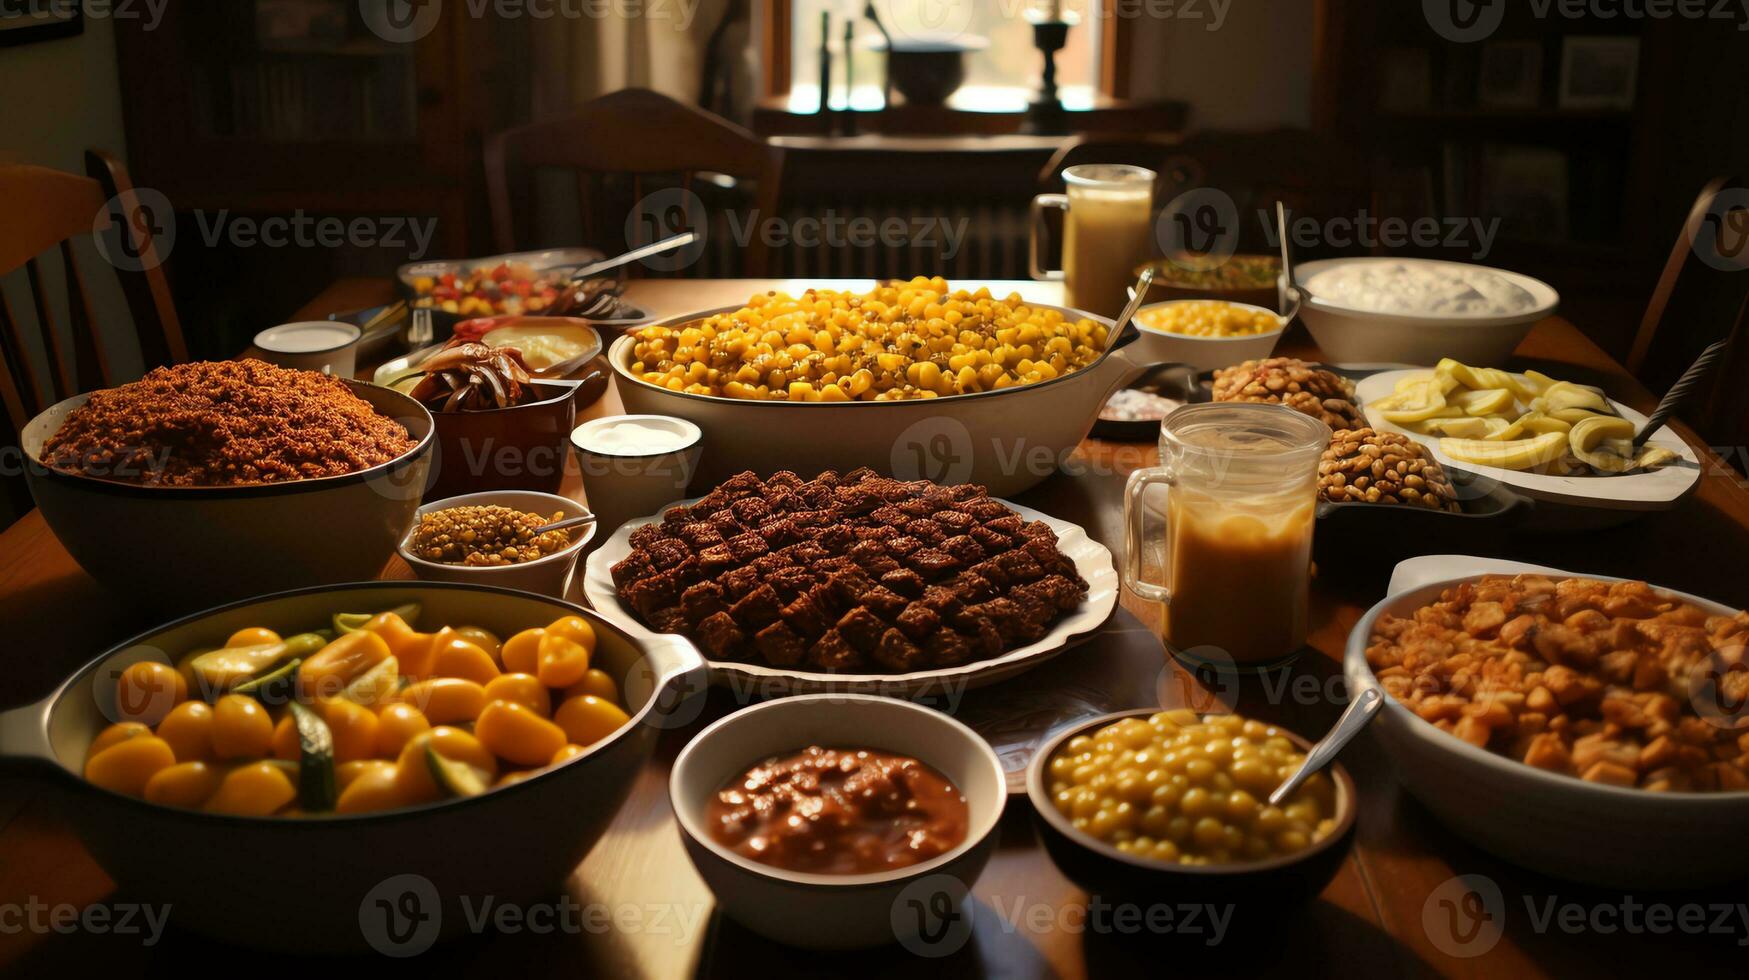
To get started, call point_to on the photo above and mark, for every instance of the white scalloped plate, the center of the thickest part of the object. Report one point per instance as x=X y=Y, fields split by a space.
x=1658 y=489
x=1091 y=559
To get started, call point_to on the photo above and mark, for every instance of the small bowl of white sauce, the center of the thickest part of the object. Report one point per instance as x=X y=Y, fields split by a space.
x=328 y=346
x=1416 y=311
x=634 y=465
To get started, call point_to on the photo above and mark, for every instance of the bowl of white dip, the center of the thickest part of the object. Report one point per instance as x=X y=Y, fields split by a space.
x=1416 y=311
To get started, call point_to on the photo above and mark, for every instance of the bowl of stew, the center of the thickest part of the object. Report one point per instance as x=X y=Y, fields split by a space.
x=821 y=821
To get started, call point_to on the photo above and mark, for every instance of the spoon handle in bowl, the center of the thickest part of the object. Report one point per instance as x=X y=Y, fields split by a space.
x=1360 y=711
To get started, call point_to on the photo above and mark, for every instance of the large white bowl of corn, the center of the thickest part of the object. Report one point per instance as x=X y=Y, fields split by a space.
x=915 y=379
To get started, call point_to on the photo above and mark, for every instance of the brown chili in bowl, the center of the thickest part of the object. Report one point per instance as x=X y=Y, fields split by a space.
x=839 y=811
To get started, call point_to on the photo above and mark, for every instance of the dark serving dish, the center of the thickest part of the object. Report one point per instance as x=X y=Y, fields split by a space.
x=1257 y=891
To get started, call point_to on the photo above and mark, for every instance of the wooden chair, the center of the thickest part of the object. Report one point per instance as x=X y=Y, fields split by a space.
x=46 y=210
x=1702 y=296
x=624 y=145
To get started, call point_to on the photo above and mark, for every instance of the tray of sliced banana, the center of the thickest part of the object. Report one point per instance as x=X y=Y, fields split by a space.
x=1550 y=439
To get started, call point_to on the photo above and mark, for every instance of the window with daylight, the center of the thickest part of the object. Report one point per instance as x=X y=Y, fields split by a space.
x=1002 y=65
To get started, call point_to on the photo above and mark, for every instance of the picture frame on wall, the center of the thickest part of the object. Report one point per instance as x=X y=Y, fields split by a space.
x=1511 y=75
x=27 y=23
x=1599 y=72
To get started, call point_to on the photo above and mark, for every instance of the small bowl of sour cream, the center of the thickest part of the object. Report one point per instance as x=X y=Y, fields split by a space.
x=634 y=465
x=1417 y=311
x=317 y=345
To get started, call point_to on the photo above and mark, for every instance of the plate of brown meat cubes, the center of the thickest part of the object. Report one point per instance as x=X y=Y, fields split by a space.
x=856 y=582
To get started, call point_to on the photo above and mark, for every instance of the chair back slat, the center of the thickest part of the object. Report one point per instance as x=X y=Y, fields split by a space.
x=22 y=390
x=147 y=292
x=634 y=134
x=61 y=378
x=91 y=358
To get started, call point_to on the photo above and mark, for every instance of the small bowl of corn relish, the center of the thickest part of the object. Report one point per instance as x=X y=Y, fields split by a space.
x=1207 y=333
x=1132 y=804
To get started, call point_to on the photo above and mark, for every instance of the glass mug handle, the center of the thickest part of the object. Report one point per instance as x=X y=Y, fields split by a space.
x=1034 y=252
x=1134 y=516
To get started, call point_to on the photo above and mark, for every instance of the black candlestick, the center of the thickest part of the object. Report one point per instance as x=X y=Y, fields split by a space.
x=1047 y=116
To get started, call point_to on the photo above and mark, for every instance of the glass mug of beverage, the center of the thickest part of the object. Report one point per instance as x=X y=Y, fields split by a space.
x=1107 y=232
x=1242 y=489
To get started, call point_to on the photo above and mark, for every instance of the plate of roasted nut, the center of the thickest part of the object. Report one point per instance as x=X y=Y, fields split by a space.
x=856 y=582
x=1550 y=439
x=1549 y=716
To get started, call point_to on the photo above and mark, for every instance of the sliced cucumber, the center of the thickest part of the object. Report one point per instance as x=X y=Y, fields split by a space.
x=218 y=671
x=316 y=787
x=454 y=778
x=353 y=622
x=267 y=685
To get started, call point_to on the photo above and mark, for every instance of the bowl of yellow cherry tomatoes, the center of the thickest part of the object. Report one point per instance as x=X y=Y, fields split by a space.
x=265 y=767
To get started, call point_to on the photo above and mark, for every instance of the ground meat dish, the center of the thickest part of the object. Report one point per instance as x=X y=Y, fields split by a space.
x=852 y=573
x=225 y=423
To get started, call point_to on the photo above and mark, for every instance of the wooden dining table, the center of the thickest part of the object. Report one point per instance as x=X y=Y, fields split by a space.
x=1398 y=905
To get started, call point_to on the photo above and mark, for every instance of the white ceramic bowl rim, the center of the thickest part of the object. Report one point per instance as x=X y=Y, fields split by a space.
x=487 y=498
x=596 y=620
x=975 y=833
x=1281 y=323
x=264 y=339
x=1347 y=799
x=619 y=357
x=1547 y=299
x=1355 y=660
x=311 y=485
x=695 y=435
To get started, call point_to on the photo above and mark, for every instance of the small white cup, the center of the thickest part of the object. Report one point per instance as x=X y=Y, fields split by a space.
x=328 y=346
x=628 y=479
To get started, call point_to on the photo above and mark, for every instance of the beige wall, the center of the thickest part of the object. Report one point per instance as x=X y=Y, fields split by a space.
x=1252 y=73
x=61 y=97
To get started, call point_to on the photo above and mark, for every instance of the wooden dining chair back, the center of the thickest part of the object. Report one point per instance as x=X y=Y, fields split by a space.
x=643 y=164
x=41 y=362
x=47 y=211
x=1702 y=296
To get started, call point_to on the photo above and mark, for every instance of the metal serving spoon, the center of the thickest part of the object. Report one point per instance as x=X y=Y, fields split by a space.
x=1679 y=392
x=581 y=520
x=1360 y=711
x=596 y=268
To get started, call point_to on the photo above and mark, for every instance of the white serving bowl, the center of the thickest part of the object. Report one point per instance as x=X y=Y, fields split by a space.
x=1007 y=440
x=1351 y=336
x=1549 y=822
x=819 y=911
x=550 y=576
x=1204 y=353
